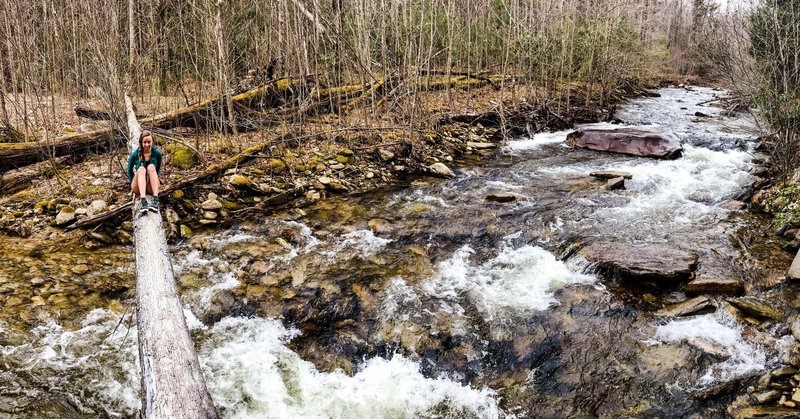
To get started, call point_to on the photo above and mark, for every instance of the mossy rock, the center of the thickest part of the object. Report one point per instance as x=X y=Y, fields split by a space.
x=277 y=165
x=346 y=152
x=24 y=196
x=177 y=194
x=183 y=157
x=344 y=159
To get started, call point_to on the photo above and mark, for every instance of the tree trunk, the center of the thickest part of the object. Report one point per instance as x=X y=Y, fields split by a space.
x=172 y=382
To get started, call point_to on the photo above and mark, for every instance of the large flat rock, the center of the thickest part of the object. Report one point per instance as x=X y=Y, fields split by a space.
x=654 y=262
x=628 y=141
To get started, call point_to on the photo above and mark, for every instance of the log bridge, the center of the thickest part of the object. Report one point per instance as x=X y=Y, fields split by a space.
x=172 y=382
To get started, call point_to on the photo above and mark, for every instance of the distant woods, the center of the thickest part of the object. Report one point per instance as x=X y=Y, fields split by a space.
x=197 y=48
x=775 y=46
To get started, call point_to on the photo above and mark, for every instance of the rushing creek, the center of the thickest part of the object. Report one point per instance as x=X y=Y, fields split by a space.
x=427 y=300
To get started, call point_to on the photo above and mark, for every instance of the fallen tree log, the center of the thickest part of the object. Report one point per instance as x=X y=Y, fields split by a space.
x=89 y=113
x=172 y=381
x=15 y=155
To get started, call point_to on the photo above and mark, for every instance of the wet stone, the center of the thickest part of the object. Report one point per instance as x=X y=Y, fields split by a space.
x=615 y=184
x=689 y=307
x=755 y=307
x=80 y=269
x=783 y=372
x=610 y=174
x=501 y=197
x=711 y=285
x=655 y=262
x=767 y=397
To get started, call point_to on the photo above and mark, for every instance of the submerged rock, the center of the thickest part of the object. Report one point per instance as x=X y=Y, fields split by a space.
x=686 y=308
x=611 y=174
x=710 y=348
x=642 y=263
x=627 y=141
x=501 y=197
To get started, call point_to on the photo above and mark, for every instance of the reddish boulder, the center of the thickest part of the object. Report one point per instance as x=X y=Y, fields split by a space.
x=650 y=263
x=627 y=141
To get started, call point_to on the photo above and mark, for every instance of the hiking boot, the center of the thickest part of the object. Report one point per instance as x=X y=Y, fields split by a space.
x=143 y=206
x=154 y=204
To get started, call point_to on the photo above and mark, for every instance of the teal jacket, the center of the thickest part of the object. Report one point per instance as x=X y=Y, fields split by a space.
x=134 y=164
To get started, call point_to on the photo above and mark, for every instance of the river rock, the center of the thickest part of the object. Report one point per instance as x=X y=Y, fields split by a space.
x=211 y=204
x=710 y=348
x=96 y=207
x=794 y=269
x=65 y=216
x=481 y=145
x=767 y=396
x=627 y=141
x=653 y=262
x=796 y=396
x=711 y=285
x=101 y=237
x=124 y=237
x=440 y=169
x=241 y=182
x=689 y=307
x=80 y=269
x=171 y=216
x=783 y=372
x=385 y=155
x=501 y=197
x=755 y=307
x=615 y=183
x=611 y=174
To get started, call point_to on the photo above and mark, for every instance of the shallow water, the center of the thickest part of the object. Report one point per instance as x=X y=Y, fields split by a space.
x=452 y=307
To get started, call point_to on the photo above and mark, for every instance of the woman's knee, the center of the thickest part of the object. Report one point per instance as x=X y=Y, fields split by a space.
x=151 y=169
x=141 y=171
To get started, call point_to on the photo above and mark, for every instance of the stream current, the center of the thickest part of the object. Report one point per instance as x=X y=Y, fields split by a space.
x=428 y=300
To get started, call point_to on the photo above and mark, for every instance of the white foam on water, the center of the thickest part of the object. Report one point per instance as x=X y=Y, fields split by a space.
x=719 y=327
x=94 y=366
x=256 y=375
x=236 y=238
x=537 y=141
x=200 y=300
x=360 y=243
x=685 y=190
x=514 y=283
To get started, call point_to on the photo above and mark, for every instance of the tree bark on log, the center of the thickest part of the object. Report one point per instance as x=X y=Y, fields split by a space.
x=173 y=385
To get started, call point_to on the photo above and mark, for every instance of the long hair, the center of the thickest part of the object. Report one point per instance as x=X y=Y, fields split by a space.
x=140 y=154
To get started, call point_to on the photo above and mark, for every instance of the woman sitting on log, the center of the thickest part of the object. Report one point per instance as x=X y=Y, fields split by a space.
x=144 y=165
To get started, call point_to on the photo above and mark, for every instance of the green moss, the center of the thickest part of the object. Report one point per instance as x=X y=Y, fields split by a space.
x=91 y=191
x=277 y=165
x=183 y=157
